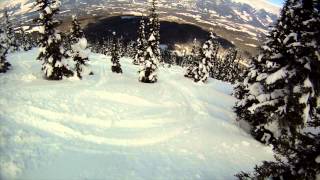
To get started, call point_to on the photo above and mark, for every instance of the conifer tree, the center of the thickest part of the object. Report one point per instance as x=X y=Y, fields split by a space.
x=115 y=57
x=229 y=67
x=121 y=46
x=25 y=40
x=4 y=65
x=130 y=49
x=51 y=51
x=214 y=60
x=282 y=87
x=240 y=91
x=202 y=71
x=11 y=40
x=102 y=47
x=141 y=44
x=154 y=29
x=287 y=73
x=107 y=46
x=193 y=59
x=240 y=70
x=79 y=49
x=148 y=71
x=293 y=161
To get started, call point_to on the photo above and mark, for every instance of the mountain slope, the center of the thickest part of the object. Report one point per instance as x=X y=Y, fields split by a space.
x=110 y=126
x=237 y=12
x=239 y=23
x=261 y=4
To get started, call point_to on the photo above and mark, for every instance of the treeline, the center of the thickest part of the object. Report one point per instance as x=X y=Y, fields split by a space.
x=225 y=64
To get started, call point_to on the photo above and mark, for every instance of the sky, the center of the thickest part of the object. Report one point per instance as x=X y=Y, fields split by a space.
x=276 y=2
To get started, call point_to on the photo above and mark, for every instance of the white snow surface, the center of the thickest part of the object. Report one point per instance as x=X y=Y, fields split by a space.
x=110 y=126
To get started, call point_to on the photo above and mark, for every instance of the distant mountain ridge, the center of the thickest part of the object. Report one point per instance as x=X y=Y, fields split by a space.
x=236 y=21
x=231 y=9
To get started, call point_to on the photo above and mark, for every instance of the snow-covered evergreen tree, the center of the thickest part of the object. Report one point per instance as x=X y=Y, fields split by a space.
x=11 y=40
x=51 y=50
x=173 y=58
x=240 y=70
x=152 y=56
x=24 y=40
x=148 y=71
x=106 y=46
x=115 y=56
x=215 y=69
x=4 y=64
x=282 y=88
x=202 y=71
x=121 y=46
x=130 y=50
x=141 y=44
x=229 y=68
x=193 y=59
x=79 y=51
x=293 y=161
x=154 y=29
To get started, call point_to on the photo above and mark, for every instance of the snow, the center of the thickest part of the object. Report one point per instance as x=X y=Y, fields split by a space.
x=262 y=4
x=152 y=38
x=39 y=29
x=48 y=10
x=80 y=48
x=274 y=77
x=291 y=35
x=252 y=45
x=276 y=56
x=244 y=15
x=260 y=57
x=256 y=89
x=262 y=76
x=269 y=19
x=295 y=44
x=25 y=28
x=65 y=11
x=8 y=4
x=304 y=100
x=318 y=159
x=55 y=5
x=108 y=126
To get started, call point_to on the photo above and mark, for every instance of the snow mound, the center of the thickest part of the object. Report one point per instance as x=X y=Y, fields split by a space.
x=110 y=126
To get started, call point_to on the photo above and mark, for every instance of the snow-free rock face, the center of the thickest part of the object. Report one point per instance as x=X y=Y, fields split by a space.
x=110 y=126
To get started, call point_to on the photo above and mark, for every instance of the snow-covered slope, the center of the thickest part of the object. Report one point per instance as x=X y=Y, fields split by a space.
x=259 y=14
x=261 y=4
x=110 y=126
x=8 y=3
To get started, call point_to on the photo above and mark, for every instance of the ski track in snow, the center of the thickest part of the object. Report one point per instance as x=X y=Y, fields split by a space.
x=110 y=126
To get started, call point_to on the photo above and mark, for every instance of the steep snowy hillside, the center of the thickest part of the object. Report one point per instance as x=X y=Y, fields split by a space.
x=110 y=126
